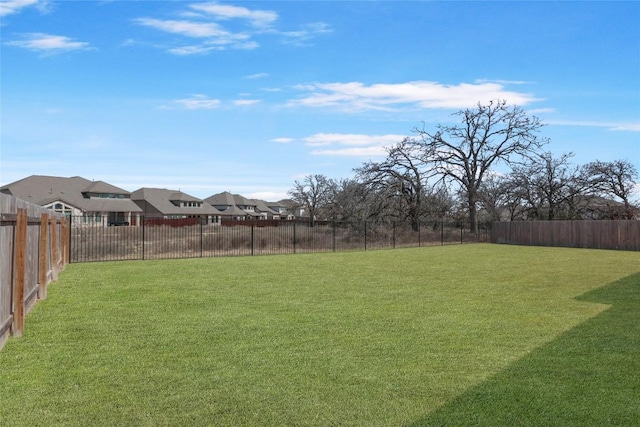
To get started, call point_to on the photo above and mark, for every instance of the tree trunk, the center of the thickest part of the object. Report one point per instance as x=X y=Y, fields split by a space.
x=473 y=219
x=415 y=224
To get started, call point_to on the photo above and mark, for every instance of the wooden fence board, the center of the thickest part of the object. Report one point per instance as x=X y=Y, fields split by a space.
x=43 y=255
x=602 y=234
x=6 y=277
x=24 y=267
x=19 y=277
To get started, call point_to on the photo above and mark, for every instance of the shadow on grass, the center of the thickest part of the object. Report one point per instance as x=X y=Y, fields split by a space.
x=588 y=376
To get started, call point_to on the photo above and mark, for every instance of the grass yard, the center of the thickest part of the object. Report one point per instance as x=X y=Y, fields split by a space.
x=455 y=335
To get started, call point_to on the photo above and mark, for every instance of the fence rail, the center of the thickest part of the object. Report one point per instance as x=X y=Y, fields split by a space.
x=33 y=249
x=600 y=234
x=179 y=239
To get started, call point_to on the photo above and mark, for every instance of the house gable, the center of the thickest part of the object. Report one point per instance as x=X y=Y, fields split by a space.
x=171 y=204
x=75 y=192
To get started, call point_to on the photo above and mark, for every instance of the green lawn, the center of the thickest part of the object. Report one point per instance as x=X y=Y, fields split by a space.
x=454 y=335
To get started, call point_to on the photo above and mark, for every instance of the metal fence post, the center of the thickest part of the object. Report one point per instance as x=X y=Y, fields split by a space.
x=252 y=237
x=365 y=235
x=334 y=236
x=393 y=224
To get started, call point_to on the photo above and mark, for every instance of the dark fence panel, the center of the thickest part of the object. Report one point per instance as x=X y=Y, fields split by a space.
x=95 y=242
x=188 y=238
x=601 y=234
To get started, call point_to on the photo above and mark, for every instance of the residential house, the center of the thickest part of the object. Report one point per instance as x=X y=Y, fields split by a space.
x=265 y=211
x=85 y=201
x=172 y=204
x=284 y=208
x=234 y=207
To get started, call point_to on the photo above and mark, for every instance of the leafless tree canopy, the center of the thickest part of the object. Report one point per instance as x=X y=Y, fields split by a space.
x=312 y=193
x=487 y=135
x=419 y=174
x=402 y=178
x=615 y=179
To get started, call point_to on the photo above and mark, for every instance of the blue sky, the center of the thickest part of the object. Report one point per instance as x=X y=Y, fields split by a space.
x=248 y=97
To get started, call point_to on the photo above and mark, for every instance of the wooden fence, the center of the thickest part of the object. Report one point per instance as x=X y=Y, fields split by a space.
x=601 y=234
x=34 y=247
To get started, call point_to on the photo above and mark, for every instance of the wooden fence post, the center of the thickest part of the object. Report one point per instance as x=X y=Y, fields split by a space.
x=43 y=256
x=64 y=241
x=54 y=248
x=20 y=251
x=63 y=235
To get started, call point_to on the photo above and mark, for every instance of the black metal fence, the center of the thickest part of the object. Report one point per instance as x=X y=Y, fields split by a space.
x=95 y=242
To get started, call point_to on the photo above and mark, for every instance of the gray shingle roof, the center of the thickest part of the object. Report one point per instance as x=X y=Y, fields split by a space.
x=103 y=187
x=221 y=199
x=161 y=200
x=41 y=190
x=261 y=206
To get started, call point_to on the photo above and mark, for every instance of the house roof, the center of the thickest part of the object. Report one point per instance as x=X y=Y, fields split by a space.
x=103 y=187
x=42 y=190
x=236 y=211
x=221 y=199
x=161 y=199
x=262 y=206
x=231 y=204
x=243 y=201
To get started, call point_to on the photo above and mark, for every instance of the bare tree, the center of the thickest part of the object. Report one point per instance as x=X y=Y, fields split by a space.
x=312 y=193
x=351 y=200
x=552 y=188
x=493 y=195
x=402 y=176
x=615 y=179
x=487 y=135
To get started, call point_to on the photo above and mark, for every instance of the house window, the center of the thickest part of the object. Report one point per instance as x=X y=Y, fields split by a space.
x=61 y=208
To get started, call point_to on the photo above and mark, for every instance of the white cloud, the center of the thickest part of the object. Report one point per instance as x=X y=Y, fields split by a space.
x=307 y=32
x=205 y=21
x=320 y=139
x=186 y=28
x=282 y=140
x=269 y=196
x=503 y=82
x=257 y=18
x=352 y=152
x=632 y=127
x=629 y=127
x=242 y=102
x=198 y=102
x=636 y=191
x=191 y=50
x=356 y=96
x=541 y=110
x=48 y=43
x=256 y=76
x=351 y=144
x=15 y=6
x=213 y=36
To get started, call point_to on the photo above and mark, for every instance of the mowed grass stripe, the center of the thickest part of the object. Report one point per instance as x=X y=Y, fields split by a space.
x=359 y=338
